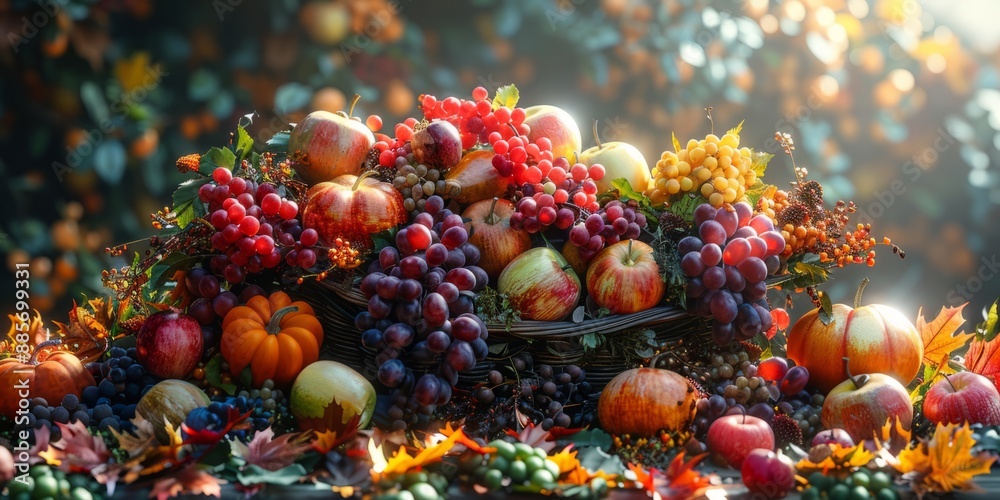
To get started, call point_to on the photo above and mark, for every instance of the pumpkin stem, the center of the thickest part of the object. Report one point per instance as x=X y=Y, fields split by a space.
x=492 y=218
x=946 y=377
x=354 y=101
x=861 y=290
x=597 y=138
x=858 y=381
x=274 y=325
x=38 y=350
x=357 y=183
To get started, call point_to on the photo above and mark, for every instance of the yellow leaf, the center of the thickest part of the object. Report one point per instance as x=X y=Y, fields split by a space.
x=939 y=337
x=840 y=459
x=506 y=96
x=677 y=143
x=944 y=463
x=403 y=462
x=133 y=70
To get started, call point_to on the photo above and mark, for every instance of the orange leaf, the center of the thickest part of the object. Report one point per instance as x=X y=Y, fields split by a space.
x=682 y=480
x=984 y=358
x=645 y=479
x=940 y=339
x=944 y=463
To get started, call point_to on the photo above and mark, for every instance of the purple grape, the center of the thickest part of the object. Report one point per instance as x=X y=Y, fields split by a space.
x=695 y=288
x=735 y=282
x=449 y=291
x=435 y=309
x=722 y=333
x=736 y=251
x=692 y=265
x=689 y=244
x=765 y=317
x=755 y=291
x=462 y=278
x=460 y=356
x=436 y=255
x=413 y=266
x=702 y=213
x=456 y=259
x=407 y=311
x=795 y=380
x=753 y=269
x=409 y=289
x=747 y=321
x=761 y=223
x=716 y=406
x=391 y=372
x=388 y=257
x=438 y=341
x=388 y=287
x=763 y=411
x=472 y=254
x=712 y=232
x=714 y=278
x=728 y=220
x=427 y=389
x=711 y=254
x=371 y=338
x=772 y=263
x=744 y=232
x=723 y=307
x=482 y=279
x=744 y=212
x=398 y=335
x=465 y=328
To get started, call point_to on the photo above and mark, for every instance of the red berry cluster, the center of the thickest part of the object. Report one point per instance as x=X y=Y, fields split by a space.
x=255 y=227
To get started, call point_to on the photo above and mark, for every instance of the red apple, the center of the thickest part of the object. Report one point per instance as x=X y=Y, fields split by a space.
x=169 y=344
x=620 y=161
x=489 y=230
x=353 y=208
x=768 y=474
x=833 y=436
x=964 y=397
x=732 y=437
x=862 y=404
x=619 y=272
x=332 y=144
x=541 y=285
x=558 y=126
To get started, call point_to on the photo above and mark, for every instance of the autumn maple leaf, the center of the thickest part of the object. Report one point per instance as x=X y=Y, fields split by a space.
x=983 y=358
x=940 y=338
x=679 y=481
x=944 y=463
x=190 y=480
x=268 y=452
x=77 y=450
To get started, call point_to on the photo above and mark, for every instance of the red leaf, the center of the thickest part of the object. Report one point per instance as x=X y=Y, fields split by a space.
x=271 y=453
x=77 y=450
x=188 y=481
x=984 y=358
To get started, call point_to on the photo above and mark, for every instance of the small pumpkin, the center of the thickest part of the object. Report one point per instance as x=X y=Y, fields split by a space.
x=645 y=401
x=272 y=335
x=52 y=378
x=170 y=401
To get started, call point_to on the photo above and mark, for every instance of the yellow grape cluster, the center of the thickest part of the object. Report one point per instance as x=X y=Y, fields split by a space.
x=715 y=167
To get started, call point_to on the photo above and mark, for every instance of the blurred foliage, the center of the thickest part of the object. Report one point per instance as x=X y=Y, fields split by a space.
x=887 y=106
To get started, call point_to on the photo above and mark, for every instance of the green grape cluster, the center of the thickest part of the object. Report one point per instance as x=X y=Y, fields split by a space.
x=44 y=482
x=522 y=464
x=418 y=485
x=861 y=485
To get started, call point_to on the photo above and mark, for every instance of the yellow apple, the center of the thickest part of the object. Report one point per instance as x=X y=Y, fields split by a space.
x=620 y=160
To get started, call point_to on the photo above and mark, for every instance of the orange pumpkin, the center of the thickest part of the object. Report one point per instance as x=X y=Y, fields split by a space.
x=59 y=374
x=272 y=335
x=645 y=401
x=876 y=338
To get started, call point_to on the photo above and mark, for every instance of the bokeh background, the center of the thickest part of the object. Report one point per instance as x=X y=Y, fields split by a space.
x=892 y=103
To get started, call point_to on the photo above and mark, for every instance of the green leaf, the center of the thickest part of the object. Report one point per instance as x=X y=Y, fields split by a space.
x=737 y=129
x=187 y=206
x=163 y=270
x=506 y=96
x=218 y=455
x=216 y=157
x=243 y=145
x=759 y=162
x=987 y=330
x=686 y=205
x=825 y=309
x=756 y=191
x=808 y=274
x=626 y=192
x=278 y=143
x=252 y=474
x=499 y=348
x=591 y=340
x=213 y=373
x=677 y=143
x=591 y=438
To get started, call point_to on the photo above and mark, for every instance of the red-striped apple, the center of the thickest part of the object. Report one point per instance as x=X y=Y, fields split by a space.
x=624 y=278
x=333 y=144
x=862 y=404
x=558 y=126
x=541 y=285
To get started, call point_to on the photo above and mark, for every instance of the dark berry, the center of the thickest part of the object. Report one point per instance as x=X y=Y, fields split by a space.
x=107 y=388
x=117 y=375
x=71 y=402
x=109 y=423
x=90 y=395
x=60 y=414
x=102 y=412
x=117 y=352
x=134 y=373
x=41 y=412
x=82 y=417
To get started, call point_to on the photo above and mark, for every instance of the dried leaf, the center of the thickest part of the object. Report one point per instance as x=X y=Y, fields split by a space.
x=403 y=462
x=940 y=337
x=944 y=463
x=682 y=480
x=572 y=472
x=77 y=450
x=141 y=439
x=190 y=480
x=42 y=435
x=35 y=328
x=535 y=436
x=270 y=453
x=840 y=459
x=325 y=441
x=645 y=479
x=86 y=334
x=983 y=358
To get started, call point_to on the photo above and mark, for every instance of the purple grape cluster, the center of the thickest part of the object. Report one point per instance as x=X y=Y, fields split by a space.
x=421 y=312
x=727 y=264
x=614 y=222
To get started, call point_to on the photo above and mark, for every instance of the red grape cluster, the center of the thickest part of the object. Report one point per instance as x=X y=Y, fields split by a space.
x=547 y=202
x=727 y=264
x=421 y=312
x=255 y=227
x=475 y=119
x=614 y=222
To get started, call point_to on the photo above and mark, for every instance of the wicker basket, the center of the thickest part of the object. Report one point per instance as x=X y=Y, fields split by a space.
x=552 y=342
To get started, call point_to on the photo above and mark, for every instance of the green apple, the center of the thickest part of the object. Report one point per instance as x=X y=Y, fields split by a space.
x=620 y=161
x=327 y=394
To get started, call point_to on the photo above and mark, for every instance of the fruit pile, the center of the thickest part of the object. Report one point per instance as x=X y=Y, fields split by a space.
x=481 y=241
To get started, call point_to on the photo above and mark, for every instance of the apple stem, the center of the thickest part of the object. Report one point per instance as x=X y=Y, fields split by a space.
x=357 y=183
x=274 y=325
x=597 y=138
x=946 y=377
x=491 y=218
x=858 y=381
x=743 y=410
x=629 y=260
x=861 y=290
x=38 y=350
x=354 y=101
